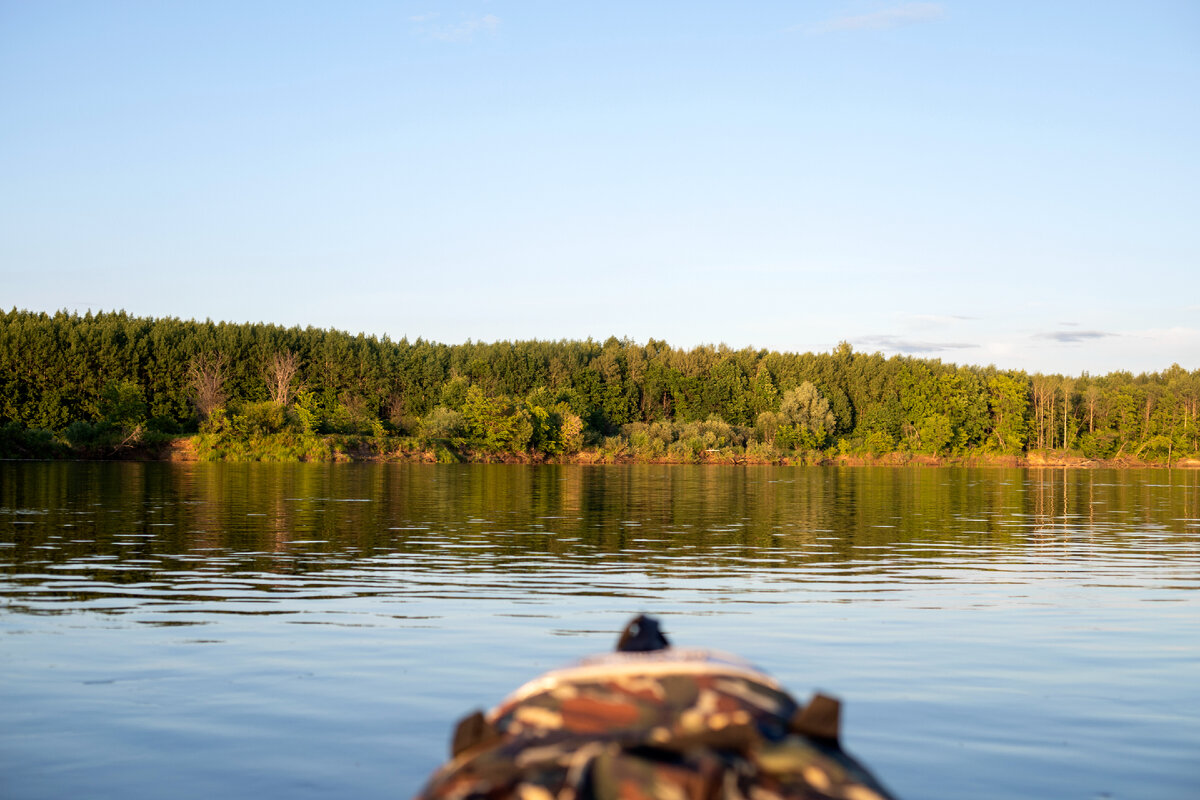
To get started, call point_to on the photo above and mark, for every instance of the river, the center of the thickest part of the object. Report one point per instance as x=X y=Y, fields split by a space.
x=314 y=631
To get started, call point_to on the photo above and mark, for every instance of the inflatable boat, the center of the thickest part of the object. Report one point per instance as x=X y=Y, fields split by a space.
x=653 y=721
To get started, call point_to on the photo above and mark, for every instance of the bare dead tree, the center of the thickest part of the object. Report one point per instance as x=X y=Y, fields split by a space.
x=206 y=374
x=1093 y=403
x=134 y=437
x=1068 y=386
x=395 y=409
x=1043 y=404
x=280 y=371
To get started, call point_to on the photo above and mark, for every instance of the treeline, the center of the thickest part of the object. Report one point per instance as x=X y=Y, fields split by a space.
x=110 y=378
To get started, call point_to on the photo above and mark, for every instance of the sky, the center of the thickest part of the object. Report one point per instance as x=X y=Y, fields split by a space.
x=1013 y=183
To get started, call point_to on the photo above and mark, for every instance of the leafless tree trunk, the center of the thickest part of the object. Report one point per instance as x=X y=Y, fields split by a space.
x=1051 y=410
x=206 y=374
x=133 y=438
x=1043 y=405
x=1093 y=400
x=395 y=409
x=1068 y=386
x=280 y=371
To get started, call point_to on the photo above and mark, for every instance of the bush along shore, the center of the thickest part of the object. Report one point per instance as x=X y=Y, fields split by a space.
x=113 y=386
x=33 y=444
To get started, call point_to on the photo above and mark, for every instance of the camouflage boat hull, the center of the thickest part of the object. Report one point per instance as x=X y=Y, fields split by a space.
x=669 y=723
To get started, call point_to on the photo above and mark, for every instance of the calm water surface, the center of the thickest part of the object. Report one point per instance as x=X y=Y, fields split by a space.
x=313 y=631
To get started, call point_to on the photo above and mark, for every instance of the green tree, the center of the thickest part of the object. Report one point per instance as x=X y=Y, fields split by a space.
x=1008 y=403
x=123 y=404
x=495 y=424
x=808 y=412
x=442 y=423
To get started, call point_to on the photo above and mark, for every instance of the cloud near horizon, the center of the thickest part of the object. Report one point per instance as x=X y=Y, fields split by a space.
x=894 y=17
x=1073 y=337
x=901 y=345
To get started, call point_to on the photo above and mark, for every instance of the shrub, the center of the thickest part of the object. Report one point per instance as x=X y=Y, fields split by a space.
x=759 y=452
x=879 y=442
x=261 y=419
x=613 y=447
x=644 y=444
x=17 y=441
x=163 y=424
x=442 y=423
x=309 y=412
x=82 y=434
x=350 y=416
x=1099 y=444
x=445 y=455
x=570 y=433
x=687 y=449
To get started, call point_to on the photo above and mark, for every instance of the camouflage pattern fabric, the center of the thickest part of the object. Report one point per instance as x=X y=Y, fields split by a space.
x=677 y=725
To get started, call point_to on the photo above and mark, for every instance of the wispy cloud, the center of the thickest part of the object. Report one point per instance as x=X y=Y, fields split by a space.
x=938 y=319
x=1073 y=337
x=465 y=30
x=899 y=344
x=894 y=17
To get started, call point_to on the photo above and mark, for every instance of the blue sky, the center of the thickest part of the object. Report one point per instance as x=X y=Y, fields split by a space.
x=983 y=182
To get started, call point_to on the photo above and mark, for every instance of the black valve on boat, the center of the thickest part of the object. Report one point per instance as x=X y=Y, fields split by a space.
x=642 y=635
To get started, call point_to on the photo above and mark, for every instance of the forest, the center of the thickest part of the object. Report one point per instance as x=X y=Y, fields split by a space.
x=114 y=385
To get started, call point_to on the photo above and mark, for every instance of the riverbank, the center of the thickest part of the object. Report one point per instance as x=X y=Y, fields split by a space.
x=334 y=448
x=404 y=449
